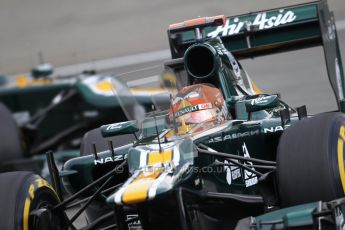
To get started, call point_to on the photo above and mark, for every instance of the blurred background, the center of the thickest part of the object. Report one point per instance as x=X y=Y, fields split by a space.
x=129 y=38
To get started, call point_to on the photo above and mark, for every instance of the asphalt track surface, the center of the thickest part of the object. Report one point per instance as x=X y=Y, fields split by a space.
x=70 y=32
x=84 y=31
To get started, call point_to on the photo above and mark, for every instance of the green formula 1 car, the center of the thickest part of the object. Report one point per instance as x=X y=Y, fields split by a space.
x=220 y=155
x=53 y=114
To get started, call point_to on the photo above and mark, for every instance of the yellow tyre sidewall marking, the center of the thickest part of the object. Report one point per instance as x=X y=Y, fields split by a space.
x=38 y=183
x=340 y=149
x=26 y=214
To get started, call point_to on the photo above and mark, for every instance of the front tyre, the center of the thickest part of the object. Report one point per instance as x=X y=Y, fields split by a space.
x=310 y=161
x=20 y=194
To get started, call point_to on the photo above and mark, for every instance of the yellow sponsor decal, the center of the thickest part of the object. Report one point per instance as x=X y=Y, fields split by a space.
x=156 y=157
x=137 y=191
x=341 y=167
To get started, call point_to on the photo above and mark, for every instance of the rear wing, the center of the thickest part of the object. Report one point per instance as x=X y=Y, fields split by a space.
x=273 y=31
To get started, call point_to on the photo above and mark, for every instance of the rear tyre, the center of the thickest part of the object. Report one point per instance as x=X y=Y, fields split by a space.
x=310 y=160
x=20 y=194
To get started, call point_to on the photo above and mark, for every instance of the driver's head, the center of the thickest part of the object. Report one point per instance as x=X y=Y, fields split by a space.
x=198 y=103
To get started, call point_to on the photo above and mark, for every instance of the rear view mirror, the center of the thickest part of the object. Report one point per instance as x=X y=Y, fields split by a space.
x=43 y=70
x=261 y=103
x=127 y=127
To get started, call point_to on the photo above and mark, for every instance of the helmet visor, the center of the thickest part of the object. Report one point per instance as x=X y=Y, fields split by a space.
x=199 y=116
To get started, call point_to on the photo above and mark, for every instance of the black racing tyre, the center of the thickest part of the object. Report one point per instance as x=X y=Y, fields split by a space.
x=20 y=194
x=11 y=145
x=310 y=160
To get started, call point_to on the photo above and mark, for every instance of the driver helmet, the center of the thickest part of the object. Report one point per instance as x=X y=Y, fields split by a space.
x=198 y=103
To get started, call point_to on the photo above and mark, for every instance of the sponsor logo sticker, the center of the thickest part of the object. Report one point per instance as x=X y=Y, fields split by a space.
x=261 y=21
x=110 y=159
x=194 y=108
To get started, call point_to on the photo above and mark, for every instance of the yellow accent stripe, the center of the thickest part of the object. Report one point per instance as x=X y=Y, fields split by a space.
x=169 y=77
x=26 y=214
x=341 y=162
x=160 y=157
x=256 y=88
x=104 y=86
x=137 y=191
x=22 y=81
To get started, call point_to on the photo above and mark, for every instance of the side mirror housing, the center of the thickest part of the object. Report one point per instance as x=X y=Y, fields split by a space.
x=42 y=71
x=127 y=127
x=261 y=103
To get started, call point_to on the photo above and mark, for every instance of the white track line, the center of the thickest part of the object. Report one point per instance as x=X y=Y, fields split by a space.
x=115 y=62
x=340 y=25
